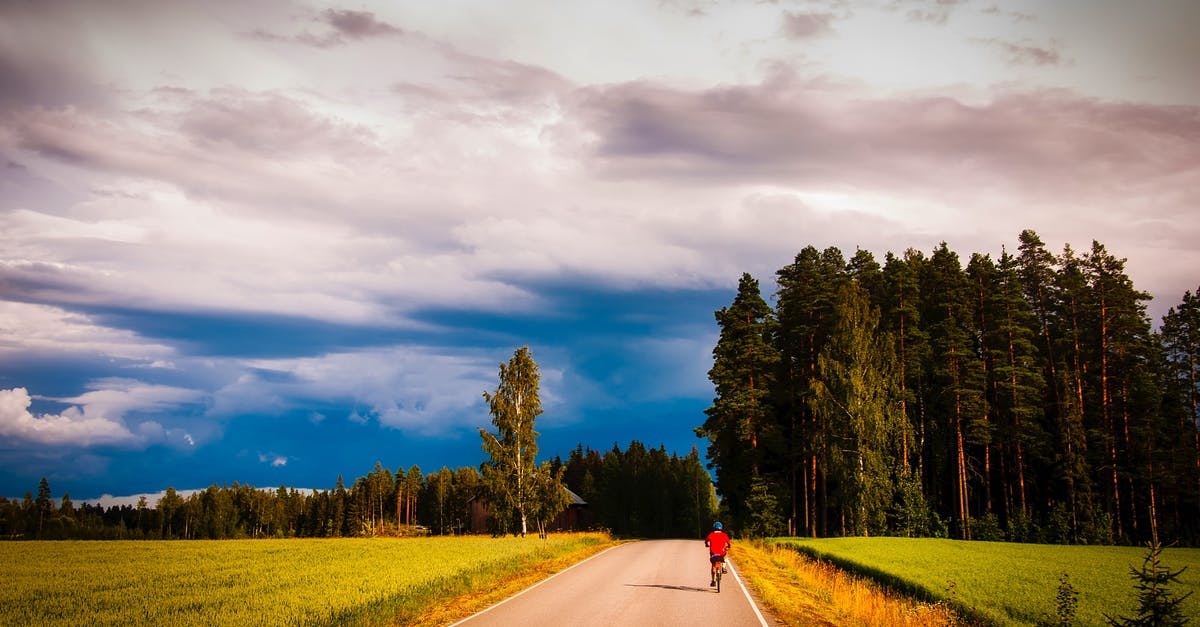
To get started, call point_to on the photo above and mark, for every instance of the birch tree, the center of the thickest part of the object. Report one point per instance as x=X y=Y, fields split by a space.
x=514 y=406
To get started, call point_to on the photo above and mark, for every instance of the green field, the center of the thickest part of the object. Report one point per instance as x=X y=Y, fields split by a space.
x=254 y=582
x=1003 y=582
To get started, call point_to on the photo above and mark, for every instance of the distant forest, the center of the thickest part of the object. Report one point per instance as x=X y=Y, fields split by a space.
x=636 y=492
x=1025 y=398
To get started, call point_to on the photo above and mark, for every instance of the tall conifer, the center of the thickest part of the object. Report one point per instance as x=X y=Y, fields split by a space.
x=741 y=425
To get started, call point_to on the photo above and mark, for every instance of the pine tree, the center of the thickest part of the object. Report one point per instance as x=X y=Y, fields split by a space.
x=1122 y=335
x=1157 y=604
x=901 y=316
x=984 y=281
x=864 y=270
x=1036 y=268
x=1020 y=383
x=806 y=299
x=509 y=472
x=956 y=371
x=44 y=503
x=1181 y=344
x=741 y=421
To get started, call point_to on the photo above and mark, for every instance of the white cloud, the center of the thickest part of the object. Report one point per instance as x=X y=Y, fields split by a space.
x=73 y=426
x=101 y=416
x=410 y=388
x=47 y=329
x=152 y=498
x=274 y=460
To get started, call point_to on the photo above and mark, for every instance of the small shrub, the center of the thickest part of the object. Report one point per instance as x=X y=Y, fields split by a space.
x=1064 y=605
x=987 y=528
x=1023 y=528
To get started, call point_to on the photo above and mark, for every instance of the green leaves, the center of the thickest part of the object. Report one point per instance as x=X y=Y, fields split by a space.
x=510 y=472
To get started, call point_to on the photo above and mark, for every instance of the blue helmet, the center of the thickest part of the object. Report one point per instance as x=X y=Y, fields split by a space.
x=716 y=525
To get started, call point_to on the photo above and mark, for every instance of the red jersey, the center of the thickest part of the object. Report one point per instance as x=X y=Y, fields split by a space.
x=717 y=542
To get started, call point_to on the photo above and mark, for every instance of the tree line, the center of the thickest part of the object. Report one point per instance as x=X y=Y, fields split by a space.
x=382 y=502
x=642 y=492
x=637 y=492
x=1024 y=398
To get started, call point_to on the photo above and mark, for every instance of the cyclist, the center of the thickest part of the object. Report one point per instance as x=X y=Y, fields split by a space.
x=718 y=545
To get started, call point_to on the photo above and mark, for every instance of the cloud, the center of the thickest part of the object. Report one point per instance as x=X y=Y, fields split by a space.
x=806 y=25
x=935 y=12
x=358 y=24
x=414 y=389
x=275 y=461
x=53 y=331
x=72 y=427
x=1015 y=16
x=97 y=417
x=131 y=500
x=31 y=72
x=1053 y=144
x=362 y=201
x=1024 y=53
x=345 y=26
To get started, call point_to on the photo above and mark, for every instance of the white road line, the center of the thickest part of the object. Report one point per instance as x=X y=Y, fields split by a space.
x=762 y=621
x=492 y=607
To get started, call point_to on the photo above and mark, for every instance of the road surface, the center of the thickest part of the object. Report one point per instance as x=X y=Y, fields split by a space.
x=643 y=584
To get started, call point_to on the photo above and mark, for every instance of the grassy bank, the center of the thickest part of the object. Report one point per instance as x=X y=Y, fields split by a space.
x=1001 y=582
x=266 y=582
x=800 y=591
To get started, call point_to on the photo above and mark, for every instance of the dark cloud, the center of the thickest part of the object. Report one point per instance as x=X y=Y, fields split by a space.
x=806 y=25
x=358 y=24
x=743 y=127
x=34 y=73
x=345 y=26
x=786 y=132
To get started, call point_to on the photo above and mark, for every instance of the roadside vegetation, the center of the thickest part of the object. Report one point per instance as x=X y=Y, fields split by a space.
x=799 y=590
x=274 y=582
x=1000 y=582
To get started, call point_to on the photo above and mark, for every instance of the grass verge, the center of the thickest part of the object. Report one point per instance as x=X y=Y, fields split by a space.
x=799 y=590
x=1004 y=583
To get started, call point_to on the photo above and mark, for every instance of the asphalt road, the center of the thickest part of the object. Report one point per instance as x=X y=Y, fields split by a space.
x=644 y=584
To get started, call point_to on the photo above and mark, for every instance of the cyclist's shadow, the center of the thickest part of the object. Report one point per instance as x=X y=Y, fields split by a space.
x=668 y=587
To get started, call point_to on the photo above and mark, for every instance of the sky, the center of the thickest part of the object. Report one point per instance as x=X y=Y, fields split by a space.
x=276 y=242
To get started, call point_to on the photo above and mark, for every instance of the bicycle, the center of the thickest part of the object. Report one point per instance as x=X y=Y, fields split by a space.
x=718 y=569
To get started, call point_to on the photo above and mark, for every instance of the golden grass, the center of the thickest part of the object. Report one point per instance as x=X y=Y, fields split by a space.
x=801 y=591
x=341 y=581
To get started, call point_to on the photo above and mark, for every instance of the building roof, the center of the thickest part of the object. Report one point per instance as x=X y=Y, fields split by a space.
x=575 y=498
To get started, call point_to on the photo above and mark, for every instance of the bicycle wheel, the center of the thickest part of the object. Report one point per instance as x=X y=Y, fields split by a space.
x=719 y=569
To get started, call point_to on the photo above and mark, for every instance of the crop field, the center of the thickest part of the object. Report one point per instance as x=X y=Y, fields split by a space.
x=256 y=582
x=1003 y=582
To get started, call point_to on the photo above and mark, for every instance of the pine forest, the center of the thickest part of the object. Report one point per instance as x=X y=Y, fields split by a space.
x=1026 y=398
